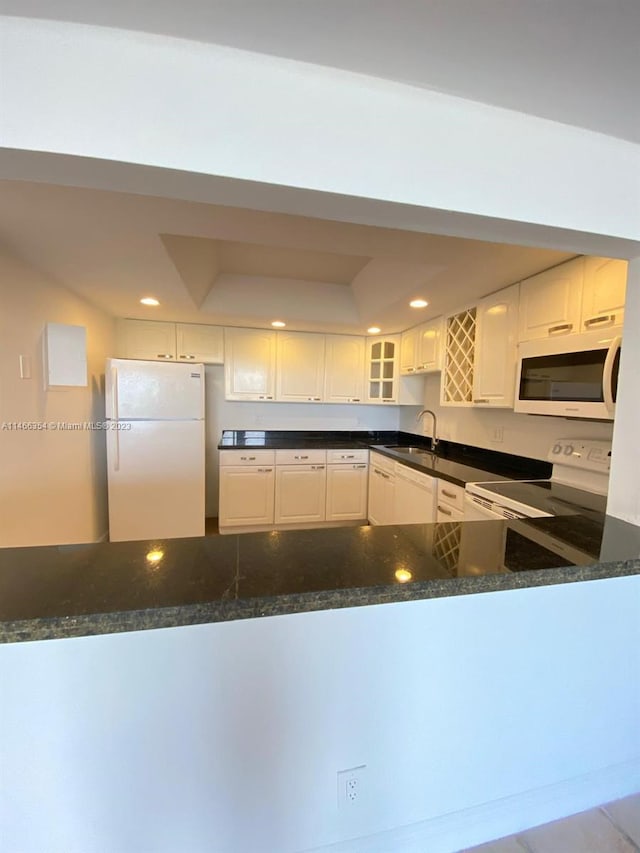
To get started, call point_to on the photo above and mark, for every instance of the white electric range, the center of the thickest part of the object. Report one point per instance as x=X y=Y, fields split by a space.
x=579 y=483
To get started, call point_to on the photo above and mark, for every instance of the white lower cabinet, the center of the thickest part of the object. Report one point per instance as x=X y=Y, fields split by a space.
x=266 y=489
x=415 y=496
x=246 y=496
x=300 y=493
x=347 y=492
x=450 y=506
x=382 y=480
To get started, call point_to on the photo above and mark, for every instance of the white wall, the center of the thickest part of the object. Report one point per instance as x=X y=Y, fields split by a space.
x=523 y=435
x=624 y=493
x=52 y=483
x=476 y=716
x=224 y=414
x=298 y=125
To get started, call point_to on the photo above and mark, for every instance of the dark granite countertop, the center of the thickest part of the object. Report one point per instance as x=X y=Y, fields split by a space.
x=456 y=463
x=80 y=590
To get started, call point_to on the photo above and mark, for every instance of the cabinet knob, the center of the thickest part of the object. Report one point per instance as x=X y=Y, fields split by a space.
x=480 y=400
x=188 y=356
x=448 y=494
x=443 y=510
x=164 y=355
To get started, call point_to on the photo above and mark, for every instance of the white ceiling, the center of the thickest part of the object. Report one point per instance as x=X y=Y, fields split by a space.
x=573 y=61
x=233 y=266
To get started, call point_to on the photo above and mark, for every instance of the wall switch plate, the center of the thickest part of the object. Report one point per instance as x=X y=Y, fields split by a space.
x=351 y=786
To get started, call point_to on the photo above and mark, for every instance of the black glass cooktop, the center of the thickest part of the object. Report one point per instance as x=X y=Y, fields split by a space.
x=547 y=496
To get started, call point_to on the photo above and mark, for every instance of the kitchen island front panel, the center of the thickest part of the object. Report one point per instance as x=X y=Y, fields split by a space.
x=77 y=590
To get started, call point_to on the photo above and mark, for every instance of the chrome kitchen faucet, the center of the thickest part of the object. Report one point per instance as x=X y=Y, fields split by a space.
x=434 y=439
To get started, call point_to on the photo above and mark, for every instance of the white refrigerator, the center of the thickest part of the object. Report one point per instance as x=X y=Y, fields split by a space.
x=155 y=449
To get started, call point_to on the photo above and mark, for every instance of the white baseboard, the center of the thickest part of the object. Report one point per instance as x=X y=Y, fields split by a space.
x=456 y=831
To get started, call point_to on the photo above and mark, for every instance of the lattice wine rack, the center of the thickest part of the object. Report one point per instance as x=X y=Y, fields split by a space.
x=458 y=371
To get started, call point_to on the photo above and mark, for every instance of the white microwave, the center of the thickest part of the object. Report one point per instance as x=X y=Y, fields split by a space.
x=575 y=376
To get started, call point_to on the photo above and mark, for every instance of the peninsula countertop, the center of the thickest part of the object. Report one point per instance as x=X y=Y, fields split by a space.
x=80 y=590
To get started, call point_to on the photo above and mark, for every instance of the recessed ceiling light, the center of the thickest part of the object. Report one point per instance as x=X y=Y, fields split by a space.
x=149 y=300
x=374 y=330
x=418 y=303
x=278 y=324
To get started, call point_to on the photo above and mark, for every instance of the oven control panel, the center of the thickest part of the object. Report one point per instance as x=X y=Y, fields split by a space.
x=586 y=454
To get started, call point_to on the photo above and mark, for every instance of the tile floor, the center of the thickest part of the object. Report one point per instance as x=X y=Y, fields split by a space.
x=612 y=828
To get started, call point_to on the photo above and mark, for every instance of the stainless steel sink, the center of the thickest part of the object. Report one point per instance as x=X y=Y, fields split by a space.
x=409 y=451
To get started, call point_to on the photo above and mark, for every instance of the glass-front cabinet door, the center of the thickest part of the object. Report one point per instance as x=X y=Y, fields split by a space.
x=382 y=370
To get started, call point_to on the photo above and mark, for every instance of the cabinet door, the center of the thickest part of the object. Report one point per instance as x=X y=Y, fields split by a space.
x=550 y=303
x=300 y=493
x=382 y=370
x=250 y=364
x=346 y=492
x=444 y=512
x=409 y=358
x=414 y=498
x=605 y=284
x=430 y=347
x=203 y=344
x=300 y=367
x=146 y=339
x=494 y=369
x=375 y=509
x=381 y=496
x=246 y=496
x=344 y=369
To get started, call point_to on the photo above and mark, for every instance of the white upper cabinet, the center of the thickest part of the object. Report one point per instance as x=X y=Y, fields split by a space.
x=382 y=369
x=496 y=342
x=409 y=350
x=421 y=348
x=300 y=373
x=250 y=364
x=146 y=339
x=159 y=341
x=605 y=284
x=430 y=346
x=344 y=369
x=199 y=343
x=551 y=302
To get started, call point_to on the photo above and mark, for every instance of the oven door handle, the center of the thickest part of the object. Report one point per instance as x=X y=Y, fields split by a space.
x=607 y=375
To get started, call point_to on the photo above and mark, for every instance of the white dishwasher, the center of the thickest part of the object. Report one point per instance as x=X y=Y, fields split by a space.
x=415 y=499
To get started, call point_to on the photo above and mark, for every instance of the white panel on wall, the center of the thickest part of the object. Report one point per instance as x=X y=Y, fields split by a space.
x=65 y=356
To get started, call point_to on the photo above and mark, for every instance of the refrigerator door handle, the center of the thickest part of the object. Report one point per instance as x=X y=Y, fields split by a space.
x=114 y=393
x=115 y=437
x=116 y=449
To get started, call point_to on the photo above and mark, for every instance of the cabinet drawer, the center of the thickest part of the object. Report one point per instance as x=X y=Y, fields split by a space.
x=338 y=456
x=247 y=457
x=445 y=512
x=301 y=457
x=382 y=462
x=450 y=495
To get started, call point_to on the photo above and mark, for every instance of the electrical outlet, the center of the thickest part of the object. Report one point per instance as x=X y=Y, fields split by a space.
x=498 y=434
x=351 y=786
